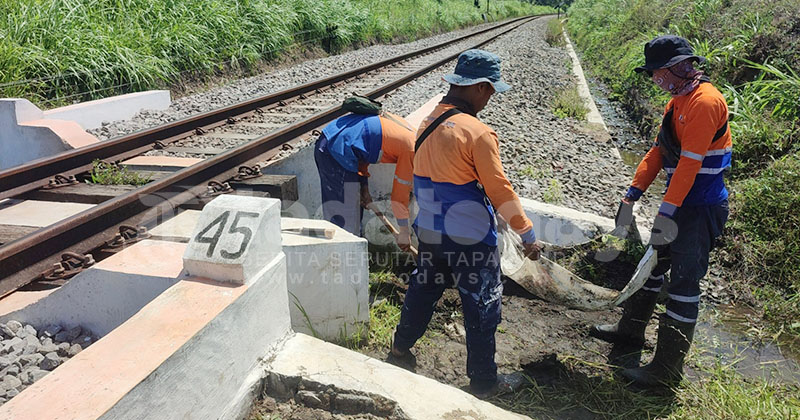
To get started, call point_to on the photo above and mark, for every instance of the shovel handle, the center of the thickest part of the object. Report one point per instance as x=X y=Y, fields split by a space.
x=389 y=225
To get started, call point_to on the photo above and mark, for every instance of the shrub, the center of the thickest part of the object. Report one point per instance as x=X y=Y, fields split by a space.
x=555 y=34
x=765 y=216
x=568 y=103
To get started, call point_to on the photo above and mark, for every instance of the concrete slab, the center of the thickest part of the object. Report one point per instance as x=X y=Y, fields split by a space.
x=178 y=228
x=92 y=114
x=565 y=227
x=70 y=132
x=106 y=295
x=234 y=238
x=328 y=278
x=193 y=352
x=593 y=116
x=415 y=118
x=25 y=135
x=419 y=397
x=38 y=213
x=328 y=281
x=20 y=299
x=159 y=163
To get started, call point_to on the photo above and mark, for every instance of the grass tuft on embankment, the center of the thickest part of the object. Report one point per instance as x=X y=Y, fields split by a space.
x=62 y=51
x=753 y=53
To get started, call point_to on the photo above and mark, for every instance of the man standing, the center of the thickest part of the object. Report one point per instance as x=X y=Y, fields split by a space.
x=459 y=182
x=694 y=148
x=343 y=152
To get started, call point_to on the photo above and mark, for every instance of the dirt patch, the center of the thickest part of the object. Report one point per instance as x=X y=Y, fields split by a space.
x=534 y=337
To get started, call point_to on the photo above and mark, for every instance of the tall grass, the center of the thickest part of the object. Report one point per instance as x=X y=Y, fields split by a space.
x=81 y=49
x=753 y=54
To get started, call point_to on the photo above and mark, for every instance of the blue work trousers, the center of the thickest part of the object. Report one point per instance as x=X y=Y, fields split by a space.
x=475 y=271
x=341 y=191
x=687 y=258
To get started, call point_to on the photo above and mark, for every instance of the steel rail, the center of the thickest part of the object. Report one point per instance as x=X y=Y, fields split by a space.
x=35 y=174
x=23 y=260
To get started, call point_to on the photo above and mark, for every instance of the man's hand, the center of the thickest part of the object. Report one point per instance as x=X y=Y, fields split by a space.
x=404 y=238
x=664 y=231
x=624 y=215
x=366 y=198
x=532 y=250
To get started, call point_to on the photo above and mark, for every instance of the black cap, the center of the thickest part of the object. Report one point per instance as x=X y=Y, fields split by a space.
x=666 y=51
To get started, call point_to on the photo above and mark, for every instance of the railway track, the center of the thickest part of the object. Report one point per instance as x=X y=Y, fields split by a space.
x=235 y=133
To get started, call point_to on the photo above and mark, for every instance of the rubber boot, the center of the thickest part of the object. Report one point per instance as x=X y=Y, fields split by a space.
x=629 y=330
x=666 y=369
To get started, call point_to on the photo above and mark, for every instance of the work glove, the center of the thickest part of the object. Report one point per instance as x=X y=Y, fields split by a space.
x=532 y=250
x=664 y=231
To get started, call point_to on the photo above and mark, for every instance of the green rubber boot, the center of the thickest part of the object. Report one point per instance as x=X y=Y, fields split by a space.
x=629 y=330
x=666 y=369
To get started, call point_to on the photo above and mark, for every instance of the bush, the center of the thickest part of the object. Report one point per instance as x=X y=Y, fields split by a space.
x=765 y=215
x=555 y=34
x=568 y=103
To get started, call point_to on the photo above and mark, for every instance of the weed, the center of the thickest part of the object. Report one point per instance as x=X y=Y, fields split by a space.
x=112 y=174
x=719 y=392
x=383 y=318
x=554 y=35
x=553 y=194
x=535 y=172
x=569 y=104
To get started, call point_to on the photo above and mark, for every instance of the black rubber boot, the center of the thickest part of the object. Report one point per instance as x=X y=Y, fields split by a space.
x=666 y=369
x=629 y=330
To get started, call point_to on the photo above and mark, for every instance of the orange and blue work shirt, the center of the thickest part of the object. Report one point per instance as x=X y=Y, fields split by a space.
x=357 y=140
x=456 y=159
x=697 y=179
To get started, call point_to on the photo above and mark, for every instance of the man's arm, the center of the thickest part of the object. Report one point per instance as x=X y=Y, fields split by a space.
x=701 y=124
x=486 y=155
x=646 y=172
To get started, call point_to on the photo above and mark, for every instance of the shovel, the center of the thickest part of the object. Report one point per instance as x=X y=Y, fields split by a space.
x=556 y=284
x=389 y=225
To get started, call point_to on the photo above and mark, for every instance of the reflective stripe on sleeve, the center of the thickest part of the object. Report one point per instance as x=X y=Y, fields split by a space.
x=402 y=181
x=692 y=155
x=719 y=152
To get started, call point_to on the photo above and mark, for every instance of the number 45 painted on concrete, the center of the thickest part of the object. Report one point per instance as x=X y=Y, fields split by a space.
x=220 y=222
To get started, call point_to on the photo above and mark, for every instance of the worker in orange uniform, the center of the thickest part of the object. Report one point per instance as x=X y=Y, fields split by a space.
x=458 y=183
x=694 y=148
x=343 y=152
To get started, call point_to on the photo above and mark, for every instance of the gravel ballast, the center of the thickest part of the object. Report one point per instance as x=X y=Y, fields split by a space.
x=547 y=158
x=562 y=161
x=27 y=355
x=272 y=80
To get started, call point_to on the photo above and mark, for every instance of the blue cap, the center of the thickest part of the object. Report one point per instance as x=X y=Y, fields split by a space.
x=476 y=66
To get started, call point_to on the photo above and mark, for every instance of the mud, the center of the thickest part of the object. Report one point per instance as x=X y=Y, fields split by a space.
x=533 y=338
x=296 y=398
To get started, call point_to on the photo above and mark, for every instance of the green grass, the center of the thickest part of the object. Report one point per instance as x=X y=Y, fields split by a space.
x=554 y=193
x=569 y=104
x=112 y=174
x=752 y=57
x=554 y=36
x=61 y=51
x=719 y=392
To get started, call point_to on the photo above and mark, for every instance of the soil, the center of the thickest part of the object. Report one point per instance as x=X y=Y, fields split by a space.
x=535 y=338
